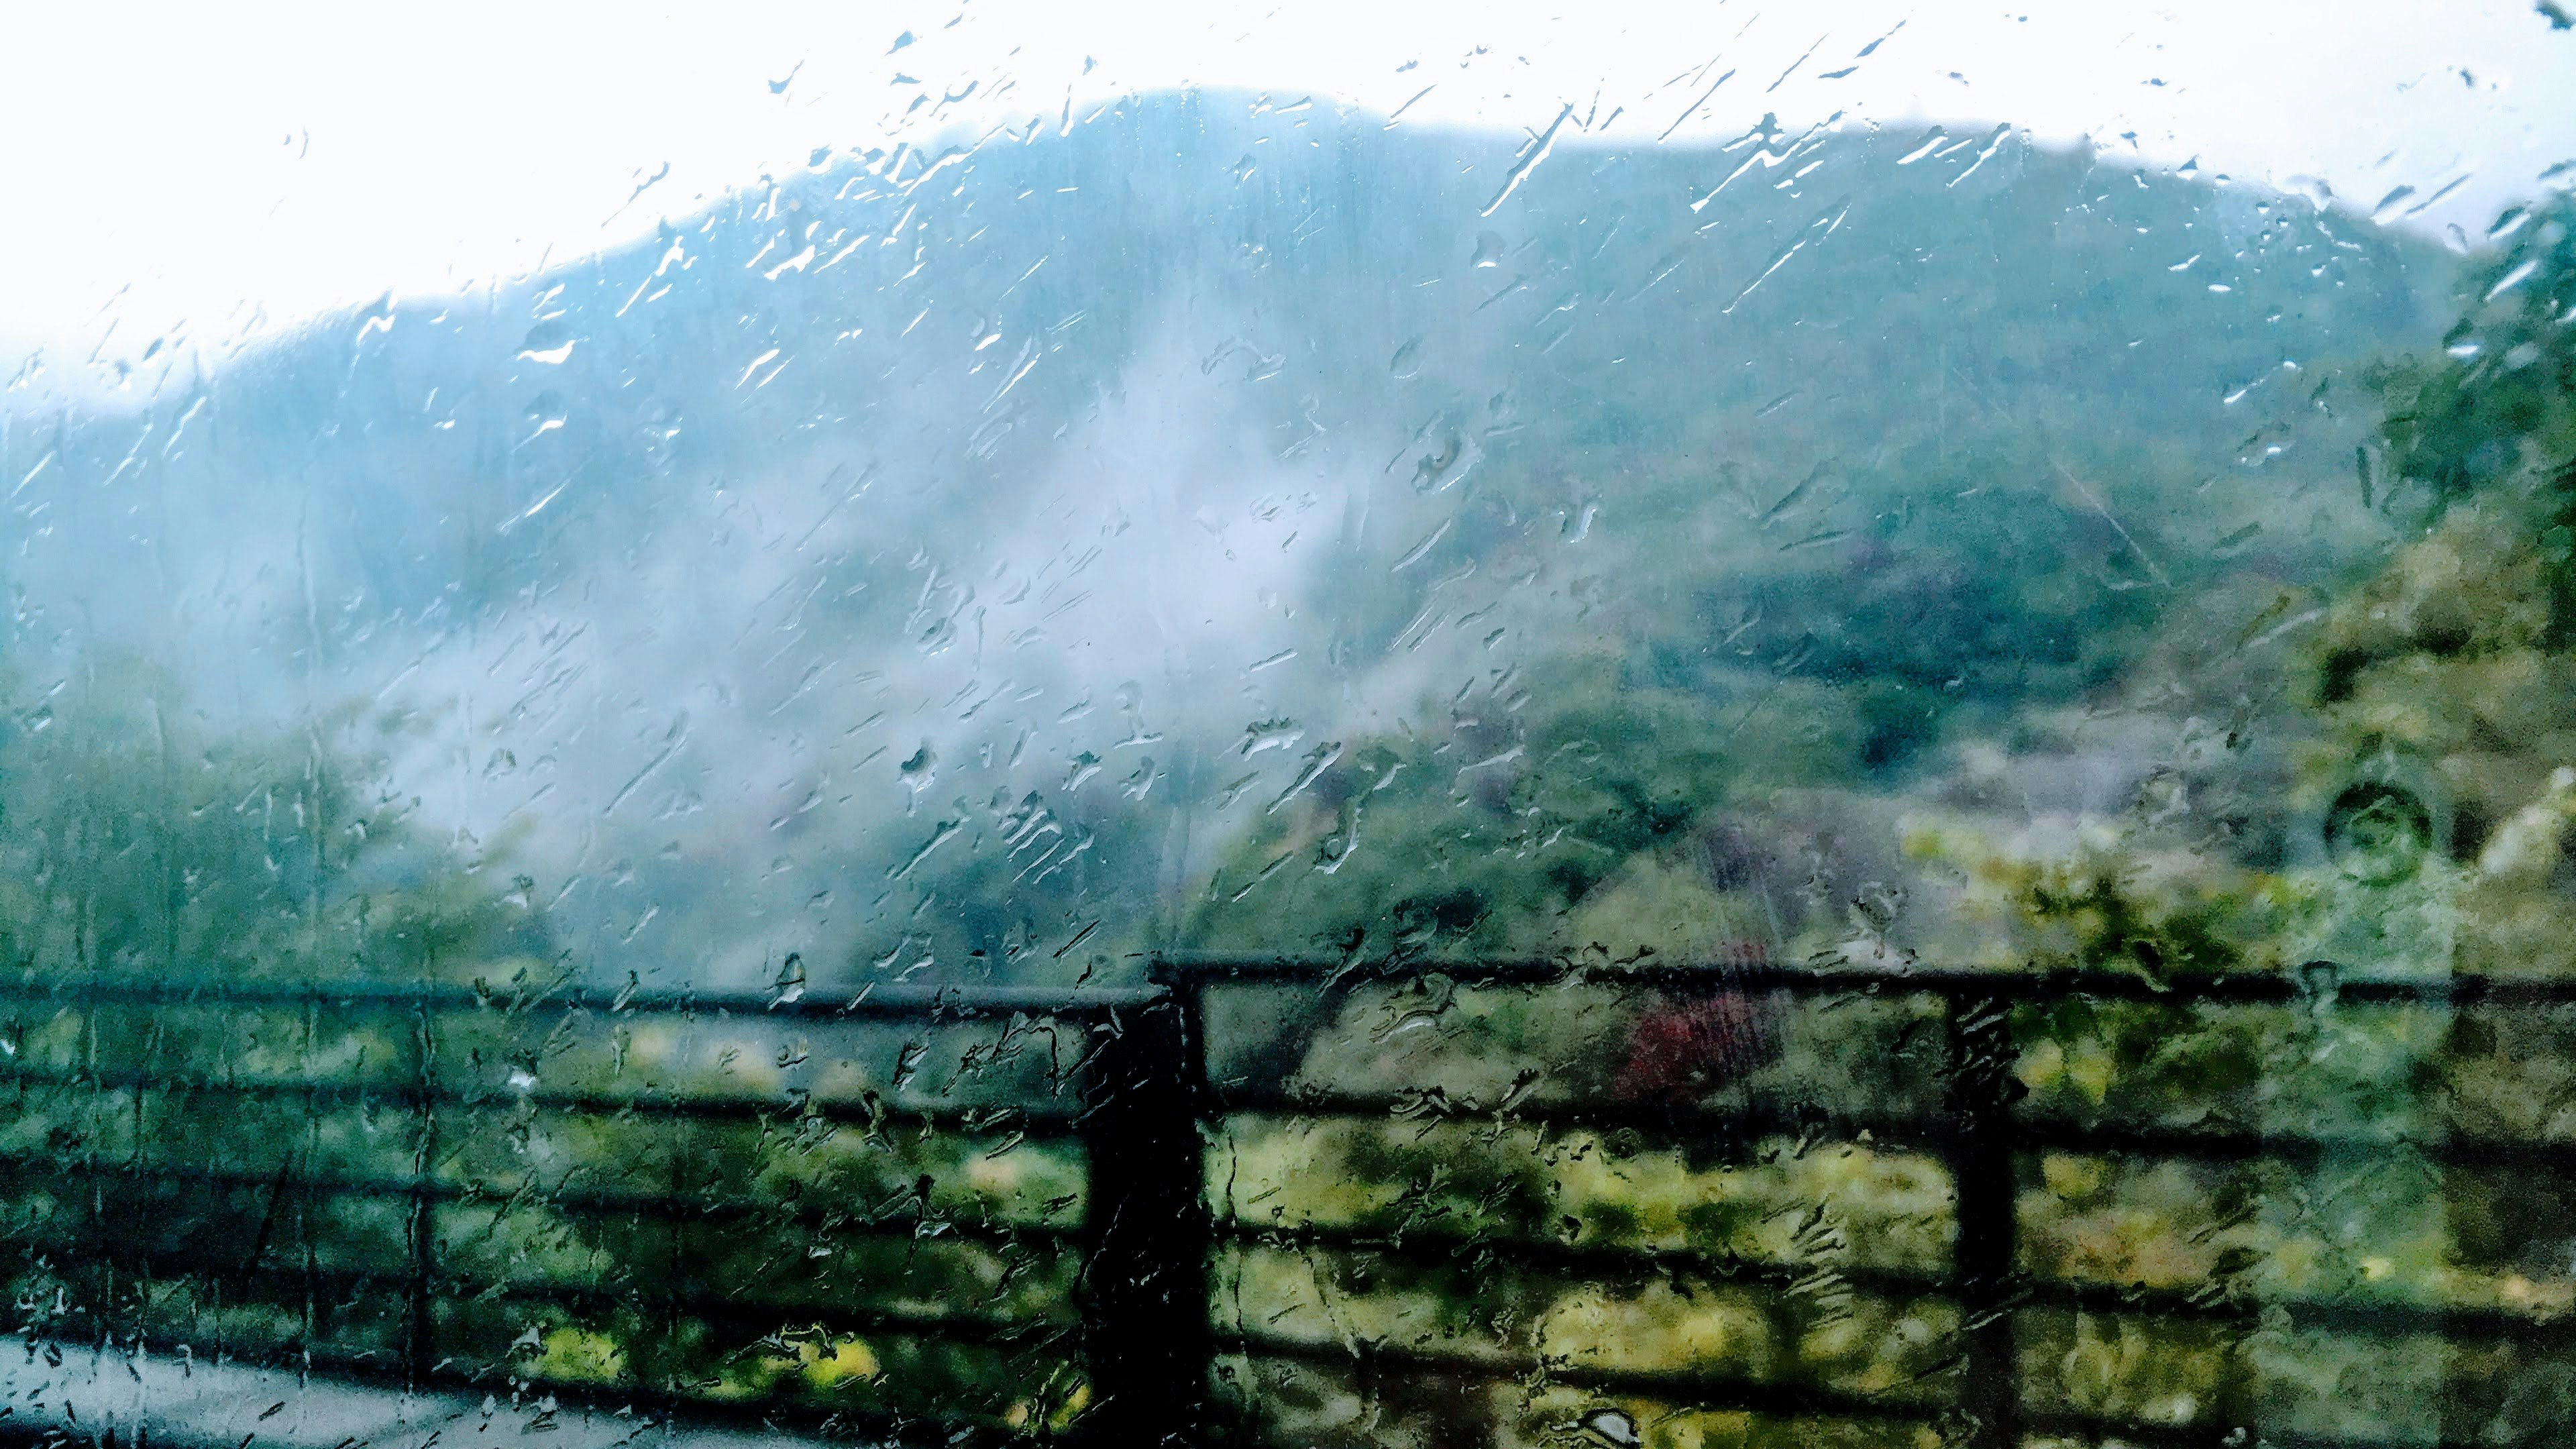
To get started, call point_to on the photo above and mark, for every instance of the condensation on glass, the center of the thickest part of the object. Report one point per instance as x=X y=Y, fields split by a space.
x=1179 y=763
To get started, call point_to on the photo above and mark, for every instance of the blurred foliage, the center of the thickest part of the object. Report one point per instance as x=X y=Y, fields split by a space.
x=137 y=842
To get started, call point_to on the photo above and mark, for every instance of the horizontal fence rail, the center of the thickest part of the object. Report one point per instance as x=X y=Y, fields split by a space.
x=410 y=1086
x=903 y=1002
x=1974 y=1130
x=1128 y=1086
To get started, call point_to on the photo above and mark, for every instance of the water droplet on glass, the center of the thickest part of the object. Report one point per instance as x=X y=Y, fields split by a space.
x=1614 y=1427
x=546 y=412
x=547 y=342
x=918 y=771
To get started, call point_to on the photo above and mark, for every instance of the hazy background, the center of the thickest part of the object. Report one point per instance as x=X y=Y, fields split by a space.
x=934 y=489
x=200 y=177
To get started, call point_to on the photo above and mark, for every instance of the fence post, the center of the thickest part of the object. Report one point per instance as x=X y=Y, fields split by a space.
x=1144 y=1296
x=1980 y=1161
x=420 y=1328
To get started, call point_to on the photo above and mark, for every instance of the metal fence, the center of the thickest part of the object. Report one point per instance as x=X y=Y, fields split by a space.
x=384 y=1290
x=326 y=1163
x=1985 y=1147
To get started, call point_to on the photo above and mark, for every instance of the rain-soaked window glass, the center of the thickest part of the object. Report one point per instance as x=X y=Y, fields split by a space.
x=1436 y=726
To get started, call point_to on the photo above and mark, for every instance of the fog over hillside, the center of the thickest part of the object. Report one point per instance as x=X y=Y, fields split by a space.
x=941 y=561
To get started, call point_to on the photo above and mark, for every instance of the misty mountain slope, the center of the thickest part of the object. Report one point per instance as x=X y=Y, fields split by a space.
x=961 y=551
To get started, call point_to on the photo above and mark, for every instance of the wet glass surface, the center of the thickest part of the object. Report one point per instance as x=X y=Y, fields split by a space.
x=1460 y=728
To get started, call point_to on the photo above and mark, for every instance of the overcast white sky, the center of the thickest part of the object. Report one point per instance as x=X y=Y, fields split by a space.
x=201 y=175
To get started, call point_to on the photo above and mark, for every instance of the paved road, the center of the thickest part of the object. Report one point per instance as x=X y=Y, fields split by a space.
x=87 y=1392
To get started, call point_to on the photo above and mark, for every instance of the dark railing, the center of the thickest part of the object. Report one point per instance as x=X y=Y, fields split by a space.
x=147 y=1092
x=343 y=1157
x=1982 y=1143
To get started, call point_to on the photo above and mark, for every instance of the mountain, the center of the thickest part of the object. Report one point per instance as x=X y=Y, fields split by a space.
x=999 y=556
